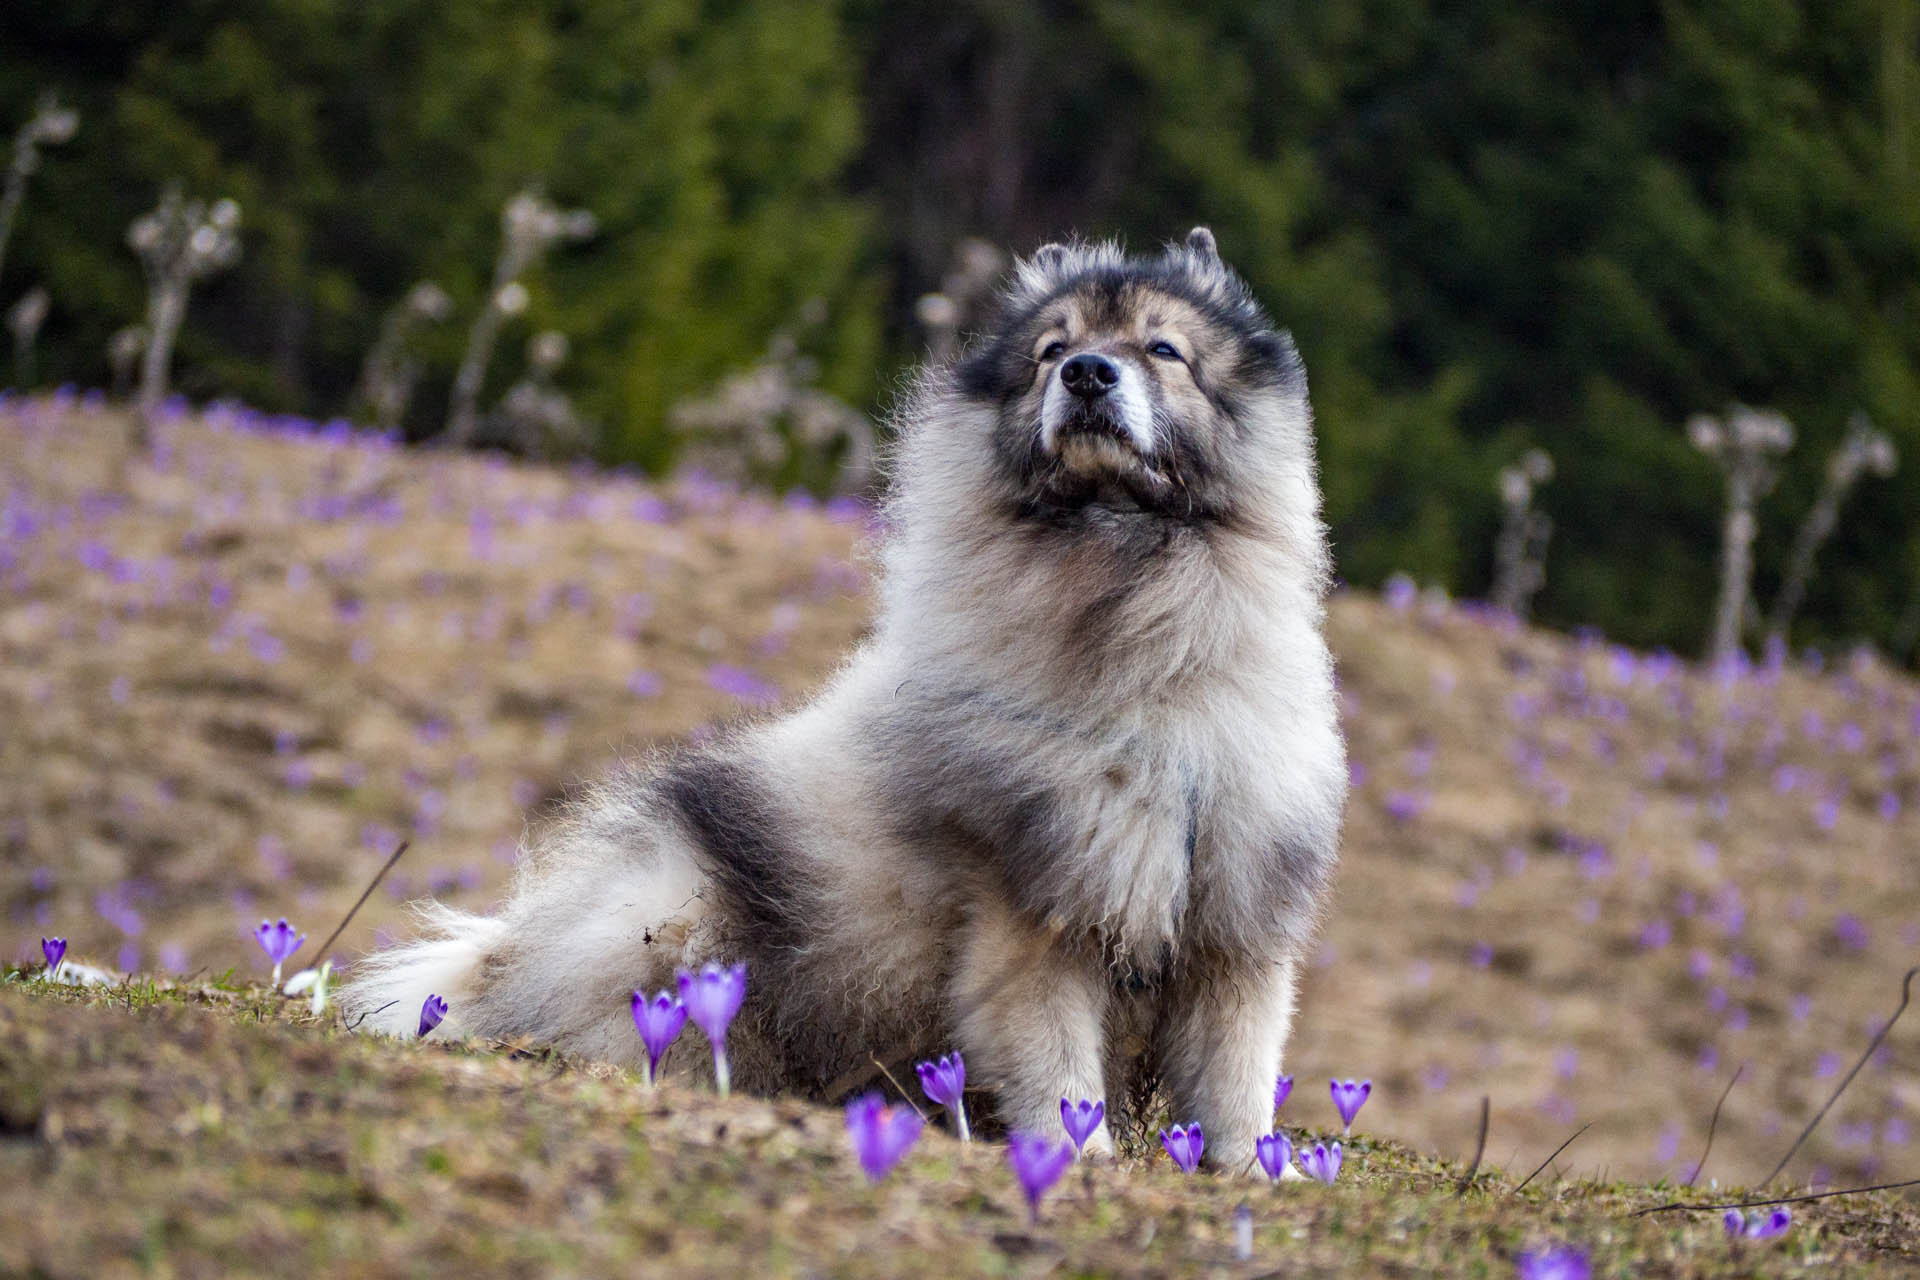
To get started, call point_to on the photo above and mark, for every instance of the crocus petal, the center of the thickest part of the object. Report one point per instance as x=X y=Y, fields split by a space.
x=278 y=939
x=880 y=1134
x=1322 y=1162
x=659 y=1021
x=1553 y=1263
x=1184 y=1145
x=1275 y=1153
x=944 y=1081
x=713 y=996
x=1348 y=1097
x=320 y=988
x=1081 y=1119
x=1038 y=1163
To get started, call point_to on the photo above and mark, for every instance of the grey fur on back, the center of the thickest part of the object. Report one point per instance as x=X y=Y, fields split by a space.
x=1086 y=775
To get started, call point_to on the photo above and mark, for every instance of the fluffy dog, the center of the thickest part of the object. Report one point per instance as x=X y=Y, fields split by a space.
x=1079 y=792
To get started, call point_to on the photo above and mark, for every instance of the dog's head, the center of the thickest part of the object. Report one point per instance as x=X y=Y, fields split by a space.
x=1151 y=385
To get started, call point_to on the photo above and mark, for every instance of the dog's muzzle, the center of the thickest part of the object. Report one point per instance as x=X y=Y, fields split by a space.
x=1094 y=400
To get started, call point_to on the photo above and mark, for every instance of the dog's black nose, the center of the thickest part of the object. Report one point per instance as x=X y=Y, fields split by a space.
x=1089 y=376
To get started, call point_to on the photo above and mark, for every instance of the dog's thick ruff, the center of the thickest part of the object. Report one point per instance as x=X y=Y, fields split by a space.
x=1082 y=787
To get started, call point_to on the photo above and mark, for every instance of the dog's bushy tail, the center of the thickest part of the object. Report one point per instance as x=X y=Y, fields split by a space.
x=384 y=991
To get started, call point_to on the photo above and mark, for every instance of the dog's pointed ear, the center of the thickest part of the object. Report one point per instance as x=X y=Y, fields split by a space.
x=1040 y=274
x=1049 y=257
x=1200 y=241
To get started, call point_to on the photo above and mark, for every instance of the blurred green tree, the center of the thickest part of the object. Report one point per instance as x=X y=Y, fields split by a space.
x=1614 y=215
x=373 y=143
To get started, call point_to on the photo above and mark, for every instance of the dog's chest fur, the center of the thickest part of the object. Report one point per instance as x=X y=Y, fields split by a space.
x=1155 y=789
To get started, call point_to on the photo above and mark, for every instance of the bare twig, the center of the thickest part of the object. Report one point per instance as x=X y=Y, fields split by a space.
x=1713 y=1125
x=1479 y=1147
x=848 y=1081
x=1550 y=1159
x=1906 y=994
x=1679 y=1207
x=904 y=1096
x=355 y=1024
x=372 y=884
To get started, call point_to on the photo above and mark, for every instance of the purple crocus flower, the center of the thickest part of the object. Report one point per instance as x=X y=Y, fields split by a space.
x=55 y=950
x=1404 y=806
x=743 y=684
x=712 y=997
x=658 y=1020
x=1038 y=1163
x=1081 y=1119
x=1275 y=1153
x=1555 y=1262
x=1184 y=1145
x=945 y=1082
x=1400 y=592
x=1758 y=1226
x=1348 y=1098
x=279 y=941
x=1321 y=1161
x=1282 y=1090
x=881 y=1134
x=432 y=1011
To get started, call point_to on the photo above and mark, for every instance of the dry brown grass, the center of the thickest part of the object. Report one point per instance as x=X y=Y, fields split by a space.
x=197 y=1131
x=158 y=755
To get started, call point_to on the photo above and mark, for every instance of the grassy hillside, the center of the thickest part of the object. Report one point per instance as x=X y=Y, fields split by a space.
x=1586 y=883
x=201 y=1130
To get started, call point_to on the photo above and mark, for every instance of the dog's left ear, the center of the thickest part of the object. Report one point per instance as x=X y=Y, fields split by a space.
x=1201 y=242
x=1050 y=257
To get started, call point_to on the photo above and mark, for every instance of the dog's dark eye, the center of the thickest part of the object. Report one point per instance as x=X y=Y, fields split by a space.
x=1053 y=349
x=1165 y=350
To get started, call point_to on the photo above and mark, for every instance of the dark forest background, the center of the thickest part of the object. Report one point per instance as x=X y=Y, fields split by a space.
x=1490 y=225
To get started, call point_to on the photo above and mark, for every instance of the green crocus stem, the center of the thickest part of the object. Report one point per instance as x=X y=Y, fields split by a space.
x=721 y=1080
x=960 y=1123
x=646 y=1072
x=276 y=972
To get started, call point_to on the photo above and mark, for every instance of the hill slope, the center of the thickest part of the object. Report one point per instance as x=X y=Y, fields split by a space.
x=1586 y=883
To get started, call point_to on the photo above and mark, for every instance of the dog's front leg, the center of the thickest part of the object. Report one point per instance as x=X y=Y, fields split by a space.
x=1030 y=1008
x=1223 y=1025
